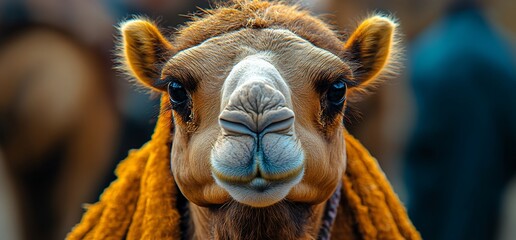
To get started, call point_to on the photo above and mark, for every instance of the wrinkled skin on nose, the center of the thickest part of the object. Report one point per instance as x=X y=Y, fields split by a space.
x=256 y=108
x=257 y=157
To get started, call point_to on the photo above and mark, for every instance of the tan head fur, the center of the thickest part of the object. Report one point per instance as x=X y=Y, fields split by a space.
x=258 y=91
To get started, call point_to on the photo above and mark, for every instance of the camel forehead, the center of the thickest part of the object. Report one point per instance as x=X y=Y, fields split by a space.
x=284 y=49
x=258 y=39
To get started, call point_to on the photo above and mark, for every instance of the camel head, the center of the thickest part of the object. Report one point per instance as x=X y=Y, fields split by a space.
x=258 y=92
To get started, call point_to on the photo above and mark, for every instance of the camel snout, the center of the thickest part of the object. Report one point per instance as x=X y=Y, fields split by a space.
x=258 y=158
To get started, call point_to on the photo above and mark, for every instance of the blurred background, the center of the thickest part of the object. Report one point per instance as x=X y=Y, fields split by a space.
x=444 y=131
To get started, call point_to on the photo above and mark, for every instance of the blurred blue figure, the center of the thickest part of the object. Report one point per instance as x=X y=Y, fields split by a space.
x=462 y=151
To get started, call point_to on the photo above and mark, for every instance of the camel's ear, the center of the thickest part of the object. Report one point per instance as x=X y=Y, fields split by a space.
x=371 y=48
x=144 y=51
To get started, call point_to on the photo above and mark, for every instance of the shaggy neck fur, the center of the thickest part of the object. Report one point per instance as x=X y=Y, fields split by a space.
x=285 y=220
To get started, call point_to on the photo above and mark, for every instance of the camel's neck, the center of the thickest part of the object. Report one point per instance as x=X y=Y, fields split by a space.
x=236 y=221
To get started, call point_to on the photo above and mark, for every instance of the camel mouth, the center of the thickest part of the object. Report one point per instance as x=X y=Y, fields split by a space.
x=259 y=184
x=258 y=173
x=259 y=191
x=257 y=176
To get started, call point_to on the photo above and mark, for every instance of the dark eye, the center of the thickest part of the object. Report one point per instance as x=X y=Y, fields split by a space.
x=337 y=93
x=177 y=92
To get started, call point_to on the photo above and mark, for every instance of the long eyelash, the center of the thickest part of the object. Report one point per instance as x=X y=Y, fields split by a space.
x=349 y=83
x=322 y=84
x=183 y=77
x=184 y=110
x=352 y=115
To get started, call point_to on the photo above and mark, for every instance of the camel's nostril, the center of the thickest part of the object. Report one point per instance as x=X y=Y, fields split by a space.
x=256 y=108
x=231 y=127
x=237 y=122
x=278 y=121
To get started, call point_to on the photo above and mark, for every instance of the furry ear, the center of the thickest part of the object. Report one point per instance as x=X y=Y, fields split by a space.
x=371 y=48
x=144 y=50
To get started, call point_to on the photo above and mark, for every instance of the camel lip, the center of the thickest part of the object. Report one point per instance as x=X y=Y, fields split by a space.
x=258 y=179
x=260 y=192
x=259 y=184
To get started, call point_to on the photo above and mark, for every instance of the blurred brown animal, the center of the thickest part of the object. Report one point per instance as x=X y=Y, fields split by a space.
x=57 y=128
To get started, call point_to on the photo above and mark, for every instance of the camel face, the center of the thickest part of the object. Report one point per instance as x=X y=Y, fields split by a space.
x=253 y=95
x=258 y=99
x=259 y=107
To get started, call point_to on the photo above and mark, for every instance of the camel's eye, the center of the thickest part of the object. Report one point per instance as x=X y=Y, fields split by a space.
x=337 y=93
x=177 y=93
x=180 y=99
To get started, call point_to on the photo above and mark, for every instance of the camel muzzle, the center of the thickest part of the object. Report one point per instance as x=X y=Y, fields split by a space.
x=257 y=157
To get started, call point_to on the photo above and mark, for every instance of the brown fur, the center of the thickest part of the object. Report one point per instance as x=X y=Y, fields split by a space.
x=285 y=220
x=240 y=14
x=144 y=52
x=203 y=53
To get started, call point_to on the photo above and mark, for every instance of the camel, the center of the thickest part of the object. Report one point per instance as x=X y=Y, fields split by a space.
x=254 y=96
x=258 y=109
